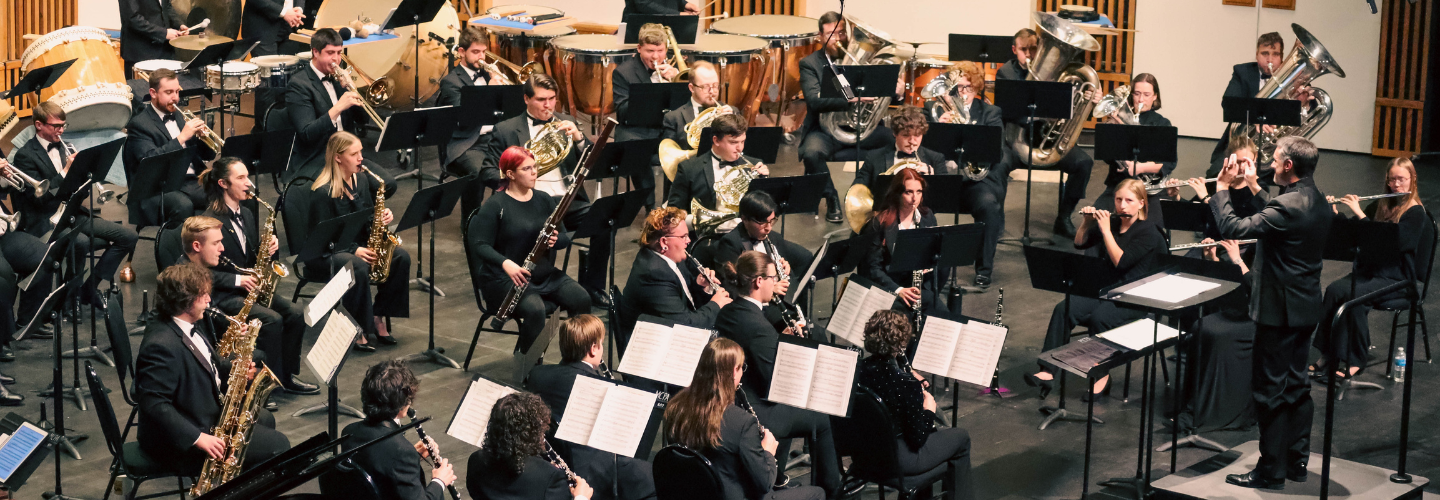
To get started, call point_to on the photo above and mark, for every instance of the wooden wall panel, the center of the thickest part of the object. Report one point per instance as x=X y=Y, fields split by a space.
x=1400 y=86
x=751 y=7
x=28 y=17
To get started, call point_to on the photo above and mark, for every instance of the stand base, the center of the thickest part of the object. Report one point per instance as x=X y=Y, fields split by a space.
x=436 y=355
x=1354 y=384
x=425 y=286
x=340 y=408
x=999 y=392
x=90 y=352
x=1135 y=484
x=798 y=460
x=50 y=495
x=71 y=392
x=1348 y=480
x=1194 y=440
x=67 y=442
x=417 y=173
x=1059 y=414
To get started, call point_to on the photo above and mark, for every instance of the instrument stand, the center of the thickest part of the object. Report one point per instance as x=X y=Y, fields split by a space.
x=427 y=206
x=417 y=129
x=1028 y=100
x=49 y=310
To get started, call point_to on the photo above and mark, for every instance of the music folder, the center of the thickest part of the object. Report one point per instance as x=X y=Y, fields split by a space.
x=958 y=348
x=664 y=351
x=813 y=375
x=472 y=415
x=612 y=416
x=860 y=299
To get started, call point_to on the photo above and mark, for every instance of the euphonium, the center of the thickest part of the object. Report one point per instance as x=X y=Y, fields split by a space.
x=1308 y=60
x=671 y=154
x=729 y=188
x=376 y=91
x=550 y=146
x=240 y=405
x=941 y=89
x=273 y=270
x=211 y=139
x=1117 y=104
x=865 y=45
x=860 y=202
x=1060 y=44
x=382 y=241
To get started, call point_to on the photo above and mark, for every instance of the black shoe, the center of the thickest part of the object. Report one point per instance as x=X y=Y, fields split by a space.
x=386 y=340
x=782 y=481
x=1250 y=480
x=1296 y=472
x=43 y=332
x=598 y=298
x=8 y=398
x=6 y=379
x=834 y=215
x=364 y=347
x=1064 y=226
x=1045 y=385
x=982 y=281
x=7 y=354
x=272 y=406
x=1099 y=397
x=852 y=488
x=297 y=386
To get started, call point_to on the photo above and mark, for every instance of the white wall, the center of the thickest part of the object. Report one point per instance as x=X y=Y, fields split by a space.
x=934 y=20
x=100 y=13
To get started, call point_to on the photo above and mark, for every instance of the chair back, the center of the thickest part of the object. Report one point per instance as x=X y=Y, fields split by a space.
x=684 y=474
x=293 y=207
x=1430 y=258
x=168 y=246
x=114 y=441
x=349 y=482
x=276 y=117
x=472 y=261
x=873 y=449
x=119 y=340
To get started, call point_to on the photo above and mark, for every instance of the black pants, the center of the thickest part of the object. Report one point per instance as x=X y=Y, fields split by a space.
x=170 y=208
x=118 y=241
x=282 y=331
x=612 y=476
x=1282 y=397
x=391 y=299
x=265 y=443
x=23 y=252
x=1097 y=315
x=1353 y=334
x=985 y=201
x=819 y=147
x=597 y=261
x=788 y=422
x=555 y=288
x=469 y=162
x=944 y=445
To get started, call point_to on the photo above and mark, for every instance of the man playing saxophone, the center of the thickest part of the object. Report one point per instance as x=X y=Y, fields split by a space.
x=161 y=128
x=319 y=106
x=711 y=180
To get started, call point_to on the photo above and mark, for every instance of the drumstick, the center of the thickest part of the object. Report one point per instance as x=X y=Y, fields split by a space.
x=203 y=24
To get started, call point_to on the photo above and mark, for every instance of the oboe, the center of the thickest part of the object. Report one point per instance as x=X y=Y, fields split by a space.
x=559 y=463
x=434 y=454
x=743 y=402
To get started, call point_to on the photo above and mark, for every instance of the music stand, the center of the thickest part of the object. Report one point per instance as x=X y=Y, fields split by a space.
x=39 y=79
x=1260 y=111
x=603 y=220
x=407 y=131
x=332 y=405
x=218 y=54
x=625 y=159
x=265 y=152
x=649 y=101
x=1134 y=143
x=684 y=27
x=1071 y=274
x=1187 y=216
x=859 y=82
x=413 y=12
x=295 y=466
x=428 y=205
x=1347 y=241
x=760 y=142
x=482 y=105
x=798 y=194
x=1026 y=100
x=980 y=48
x=322 y=238
x=48 y=311
x=155 y=176
x=937 y=248
x=965 y=143
x=89 y=164
x=18 y=469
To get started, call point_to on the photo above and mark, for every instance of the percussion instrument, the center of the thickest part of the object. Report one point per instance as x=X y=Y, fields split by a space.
x=224 y=15
x=394 y=59
x=529 y=10
x=143 y=69
x=8 y=117
x=93 y=92
x=433 y=66
x=790 y=38
x=238 y=77
x=584 y=64
x=926 y=69
x=741 y=62
x=275 y=70
x=189 y=46
x=522 y=47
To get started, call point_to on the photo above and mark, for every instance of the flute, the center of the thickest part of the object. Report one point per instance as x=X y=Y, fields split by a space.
x=434 y=454
x=1090 y=211
x=1188 y=246
x=1372 y=197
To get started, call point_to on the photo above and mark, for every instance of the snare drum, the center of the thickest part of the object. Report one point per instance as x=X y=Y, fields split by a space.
x=93 y=92
x=741 y=62
x=239 y=76
x=275 y=70
x=790 y=39
x=143 y=69
x=584 y=65
x=926 y=69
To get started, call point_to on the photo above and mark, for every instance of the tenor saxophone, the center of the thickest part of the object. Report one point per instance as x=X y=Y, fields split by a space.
x=382 y=241
x=240 y=405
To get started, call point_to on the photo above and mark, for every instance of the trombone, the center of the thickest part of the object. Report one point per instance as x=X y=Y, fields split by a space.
x=678 y=59
x=377 y=90
x=518 y=74
x=16 y=178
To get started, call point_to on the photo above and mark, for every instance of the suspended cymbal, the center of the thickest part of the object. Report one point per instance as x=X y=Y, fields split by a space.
x=197 y=43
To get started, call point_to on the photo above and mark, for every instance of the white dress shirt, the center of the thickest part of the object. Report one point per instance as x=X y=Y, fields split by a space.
x=329 y=89
x=56 y=155
x=174 y=130
x=201 y=345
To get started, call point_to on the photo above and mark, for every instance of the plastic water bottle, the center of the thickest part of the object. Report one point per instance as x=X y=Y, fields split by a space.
x=1399 y=371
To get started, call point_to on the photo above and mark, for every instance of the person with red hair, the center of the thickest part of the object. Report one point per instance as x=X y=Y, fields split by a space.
x=903 y=208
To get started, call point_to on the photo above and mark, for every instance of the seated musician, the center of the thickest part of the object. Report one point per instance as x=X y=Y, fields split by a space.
x=541 y=96
x=1129 y=242
x=664 y=281
x=319 y=106
x=704 y=92
x=22 y=253
x=697 y=178
x=658 y=7
x=1351 y=340
x=515 y=462
x=146 y=29
x=179 y=380
x=902 y=208
x=503 y=233
x=1145 y=102
x=343 y=188
x=44 y=157
x=757 y=232
x=817 y=145
x=582 y=351
x=1223 y=358
x=753 y=277
x=651 y=66
x=465 y=155
x=387 y=393
x=1076 y=164
x=227 y=184
x=1246 y=79
x=740 y=449
x=912 y=408
x=909 y=126
x=158 y=129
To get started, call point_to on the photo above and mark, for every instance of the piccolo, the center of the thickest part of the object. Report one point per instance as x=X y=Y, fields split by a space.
x=1188 y=246
x=1372 y=197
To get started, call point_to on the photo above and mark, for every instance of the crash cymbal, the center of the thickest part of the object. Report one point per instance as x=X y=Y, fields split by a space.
x=197 y=43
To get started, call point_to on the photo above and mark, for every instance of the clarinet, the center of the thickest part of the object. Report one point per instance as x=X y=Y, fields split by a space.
x=743 y=402
x=559 y=463
x=791 y=313
x=710 y=286
x=434 y=454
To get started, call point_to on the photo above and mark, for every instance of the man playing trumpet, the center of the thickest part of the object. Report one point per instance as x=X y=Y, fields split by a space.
x=652 y=66
x=161 y=129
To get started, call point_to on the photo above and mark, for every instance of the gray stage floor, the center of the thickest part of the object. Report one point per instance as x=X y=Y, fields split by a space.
x=1011 y=458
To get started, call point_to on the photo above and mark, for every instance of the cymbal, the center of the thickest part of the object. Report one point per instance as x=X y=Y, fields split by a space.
x=198 y=43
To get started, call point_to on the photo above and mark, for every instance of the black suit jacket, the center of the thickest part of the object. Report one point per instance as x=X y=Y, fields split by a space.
x=309 y=107
x=881 y=243
x=745 y=323
x=881 y=159
x=695 y=179
x=515 y=132
x=628 y=72
x=539 y=481
x=553 y=384
x=981 y=112
x=244 y=258
x=673 y=127
x=812 y=70
x=393 y=464
x=1292 y=229
x=736 y=242
x=463 y=137
x=142 y=29
x=651 y=7
x=149 y=137
x=653 y=289
x=177 y=393
x=261 y=20
x=1012 y=70
x=1244 y=82
x=746 y=470
x=35 y=162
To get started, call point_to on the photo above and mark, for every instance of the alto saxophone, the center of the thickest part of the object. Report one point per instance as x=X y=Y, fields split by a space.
x=240 y=405
x=272 y=271
x=382 y=241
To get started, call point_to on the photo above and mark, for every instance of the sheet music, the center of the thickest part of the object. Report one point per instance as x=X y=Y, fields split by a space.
x=645 y=354
x=473 y=416
x=329 y=296
x=1172 y=289
x=937 y=346
x=1139 y=334
x=977 y=352
x=834 y=377
x=19 y=447
x=847 y=309
x=622 y=419
x=582 y=409
x=794 y=367
x=875 y=300
x=686 y=345
x=332 y=344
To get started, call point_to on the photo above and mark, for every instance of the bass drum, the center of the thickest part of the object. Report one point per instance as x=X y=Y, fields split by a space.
x=8 y=117
x=93 y=92
x=394 y=58
x=584 y=66
x=741 y=62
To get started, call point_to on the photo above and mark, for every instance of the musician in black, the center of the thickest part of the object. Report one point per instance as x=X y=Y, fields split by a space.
x=739 y=448
x=697 y=178
x=1292 y=229
x=758 y=218
x=1076 y=164
x=1245 y=81
x=541 y=96
x=1129 y=241
x=227 y=184
x=513 y=463
x=983 y=199
x=319 y=106
x=649 y=66
x=343 y=188
x=503 y=233
x=921 y=445
x=1224 y=356
x=271 y=22
x=909 y=126
x=22 y=252
x=658 y=7
x=1144 y=101
x=465 y=155
x=158 y=129
x=818 y=146
x=903 y=207
x=387 y=393
x=664 y=281
x=146 y=29
x=753 y=277
x=179 y=380
x=704 y=92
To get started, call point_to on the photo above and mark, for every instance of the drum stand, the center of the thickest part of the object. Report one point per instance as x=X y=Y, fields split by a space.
x=411 y=157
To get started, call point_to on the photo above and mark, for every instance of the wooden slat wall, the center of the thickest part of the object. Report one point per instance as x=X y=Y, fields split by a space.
x=478 y=7
x=752 y=7
x=1115 y=61
x=19 y=18
x=1405 y=43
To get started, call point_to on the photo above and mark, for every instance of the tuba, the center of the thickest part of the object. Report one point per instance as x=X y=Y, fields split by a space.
x=1060 y=44
x=865 y=45
x=729 y=188
x=671 y=154
x=1308 y=60
x=382 y=241
x=240 y=405
x=550 y=147
x=860 y=202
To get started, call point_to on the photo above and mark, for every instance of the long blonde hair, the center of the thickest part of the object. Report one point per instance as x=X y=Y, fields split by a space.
x=1136 y=188
x=694 y=415
x=339 y=142
x=1391 y=209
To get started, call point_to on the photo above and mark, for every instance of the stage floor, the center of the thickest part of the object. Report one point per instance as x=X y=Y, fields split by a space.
x=1347 y=480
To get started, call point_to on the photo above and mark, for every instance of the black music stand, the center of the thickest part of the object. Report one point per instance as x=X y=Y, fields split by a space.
x=1071 y=274
x=1260 y=111
x=603 y=220
x=296 y=466
x=155 y=176
x=1134 y=143
x=428 y=205
x=322 y=238
x=799 y=194
x=859 y=82
x=414 y=12
x=39 y=79
x=49 y=310
x=623 y=159
x=218 y=55
x=413 y=130
x=760 y=142
x=1024 y=101
x=980 y=48
x=265 y=152
x=1187 y=216
x=649 y=102
x=965 y=143
x=482 y=105
x=937 y=248
x=332 y=405
x=684 y=27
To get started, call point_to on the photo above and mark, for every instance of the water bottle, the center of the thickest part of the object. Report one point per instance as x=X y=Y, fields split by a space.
x=1399 y=371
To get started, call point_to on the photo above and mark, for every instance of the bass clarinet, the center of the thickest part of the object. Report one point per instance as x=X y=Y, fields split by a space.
x=434 y=454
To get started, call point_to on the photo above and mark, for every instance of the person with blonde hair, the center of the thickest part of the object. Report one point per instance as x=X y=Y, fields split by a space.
x=664 y=281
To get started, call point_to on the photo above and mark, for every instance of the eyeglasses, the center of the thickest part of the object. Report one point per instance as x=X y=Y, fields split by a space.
x=707 y=87
x=60 y=125
x=683 y=236
x=769 y=277
x=763 y=223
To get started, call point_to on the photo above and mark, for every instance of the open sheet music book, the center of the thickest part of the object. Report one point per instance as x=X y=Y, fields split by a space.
x=962 y=349
x=813 y=375
x=663 y=351
x=332 y=345
x=858 y=302
x=473 y=415
x=612 y=416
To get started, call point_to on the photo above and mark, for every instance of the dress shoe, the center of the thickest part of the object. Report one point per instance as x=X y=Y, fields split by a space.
x=272 y=406
x=1099 y=397
x=982 y=281
x=598 y=298
x=8 y=398
x=1296 y=471
x=44 y=332
x=833 y=212
x=386 y=340
x=1251 y=480
x=1045 y=385
x=301 y=387
x=364 y=347
x=1064 y=226
x=6 y=379
x=7 y=354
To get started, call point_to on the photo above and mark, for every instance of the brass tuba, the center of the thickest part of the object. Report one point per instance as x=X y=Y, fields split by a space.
x=550 y=147
x=729 y=188
x=671 y=154
x=860 y=202
x=1308 y=60
x=868 y=46
x=382 y=241
x=1060 y=45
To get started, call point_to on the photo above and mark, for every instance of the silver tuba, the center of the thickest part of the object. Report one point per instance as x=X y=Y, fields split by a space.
x=942 y=90
x=864 y=45
x=1060 y=45
x=1307 y=61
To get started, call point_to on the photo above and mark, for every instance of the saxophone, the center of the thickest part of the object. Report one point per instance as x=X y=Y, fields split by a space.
x=240 y=404
x=382 y=241
x=271 y=271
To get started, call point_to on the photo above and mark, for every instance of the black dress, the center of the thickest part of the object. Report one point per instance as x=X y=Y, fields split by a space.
x=392 y=298
x=879 y=244
x=1222 y=397
x=922 y=447
x=1141 y=244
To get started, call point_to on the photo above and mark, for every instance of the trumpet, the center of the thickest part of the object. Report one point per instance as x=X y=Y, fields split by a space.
x=1372 y=197
x=211 y=139
x=18 y=179
x=1188 y=246
x=102 y=195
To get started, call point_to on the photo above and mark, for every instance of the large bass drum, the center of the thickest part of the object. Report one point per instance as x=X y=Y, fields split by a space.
x=394 y=59
x=584 y=65
x=741 y=62
x=93 y=92
x=790 y=39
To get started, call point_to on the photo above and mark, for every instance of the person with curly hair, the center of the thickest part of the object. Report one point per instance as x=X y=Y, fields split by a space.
x=921 y=446
x=386 y=393
x=664 y=282
x=511 y=463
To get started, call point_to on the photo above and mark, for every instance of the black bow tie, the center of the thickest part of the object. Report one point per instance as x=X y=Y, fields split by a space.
x=903 y=154
x=738 y=161
x=537 y=122
x=55 y=146
x=239 y=221
x=167 y=118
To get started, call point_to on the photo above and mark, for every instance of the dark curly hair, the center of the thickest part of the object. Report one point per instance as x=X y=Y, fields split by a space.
x=887 y=333
x=516 y=431
x=178 y=286
x=388 y=387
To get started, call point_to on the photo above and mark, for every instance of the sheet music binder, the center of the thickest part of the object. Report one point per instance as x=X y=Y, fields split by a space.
x=848 y=385
x=470 y=409
x=328 y=355
x=678 y=348
x=652 y=425
x=850 y=326
x=330 y=295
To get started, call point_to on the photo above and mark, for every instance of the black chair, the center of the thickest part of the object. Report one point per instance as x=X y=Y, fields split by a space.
x=472 y=262
x=1401 y=304
x=349 y=482
x=684 y=474
x=868 y=436
x=168 y=247
x=293 y=207
x=117 y=329
x=127 y=458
